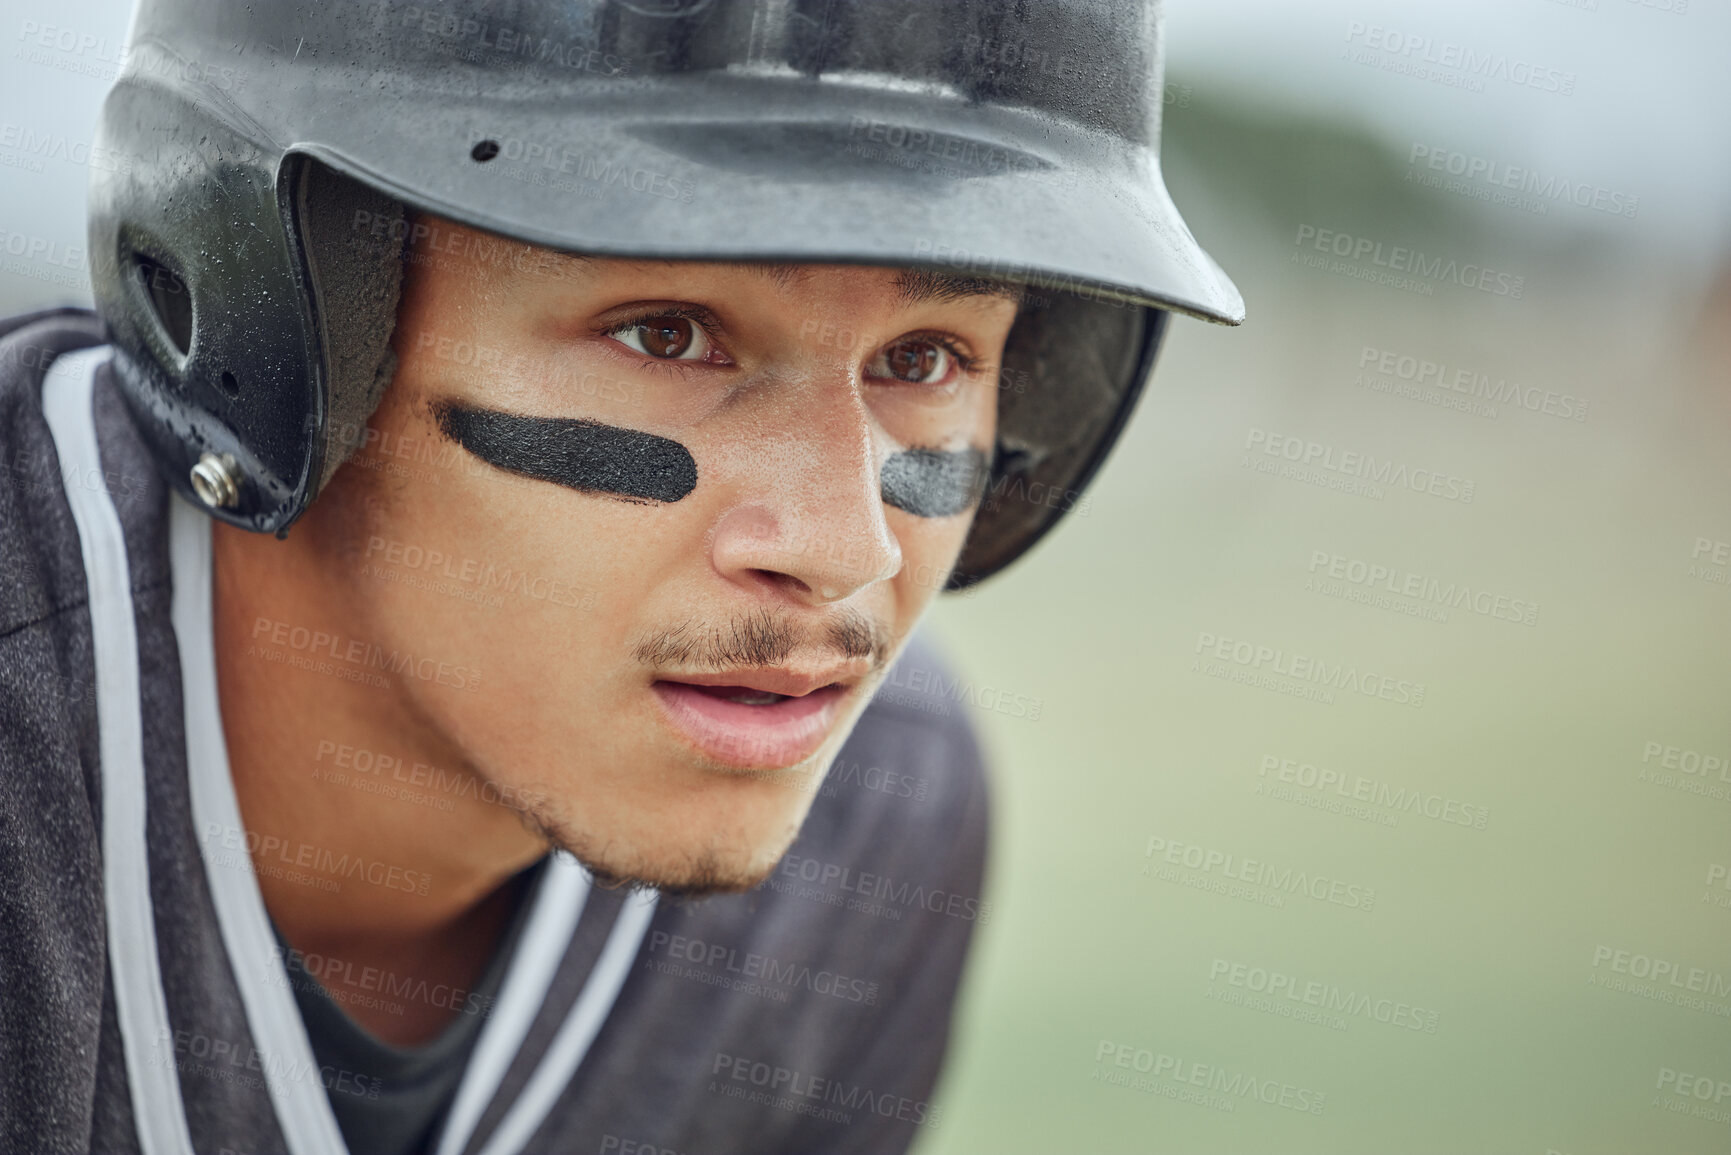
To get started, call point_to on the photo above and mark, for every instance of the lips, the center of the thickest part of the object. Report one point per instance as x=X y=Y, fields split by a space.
x=743 y=695
x=767 y=719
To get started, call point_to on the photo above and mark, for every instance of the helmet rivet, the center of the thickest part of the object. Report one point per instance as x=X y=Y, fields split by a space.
x=216 y=480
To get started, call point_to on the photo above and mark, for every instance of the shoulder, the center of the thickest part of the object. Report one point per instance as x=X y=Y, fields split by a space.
x=37 y=534
x=39 y=558
x=51 y=945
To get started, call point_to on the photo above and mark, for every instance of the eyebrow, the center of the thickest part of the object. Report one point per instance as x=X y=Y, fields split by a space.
x=918 y=286
x=781 y=274
x=913 y=286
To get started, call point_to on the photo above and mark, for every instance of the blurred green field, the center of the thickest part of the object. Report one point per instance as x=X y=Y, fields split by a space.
x=1489 y=935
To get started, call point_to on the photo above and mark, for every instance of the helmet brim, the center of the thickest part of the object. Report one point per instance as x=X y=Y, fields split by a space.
x=851 y=173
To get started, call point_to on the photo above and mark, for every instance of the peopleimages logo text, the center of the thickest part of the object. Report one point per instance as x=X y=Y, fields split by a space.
x=797 y=1091
x=884 y=889
x=1419 y=587
x=1330 y=997
x=1518 y=179
x=1470 y=63
x=1363 y=466
x=1414 y=262
x=1341 y=676
x=1230 y=1085
x=1358 y=788
x=1256 y=872
x=358 y=655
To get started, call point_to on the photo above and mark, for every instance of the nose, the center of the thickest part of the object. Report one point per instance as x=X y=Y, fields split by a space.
x=809 y=522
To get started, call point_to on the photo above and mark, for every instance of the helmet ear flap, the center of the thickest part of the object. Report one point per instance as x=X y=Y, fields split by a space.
x=354 y=239
x=199 y=285
x=275 y=355
x=1074 y=367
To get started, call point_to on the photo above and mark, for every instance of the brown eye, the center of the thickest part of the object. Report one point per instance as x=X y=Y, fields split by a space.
x=666 y=337
x=918 y=362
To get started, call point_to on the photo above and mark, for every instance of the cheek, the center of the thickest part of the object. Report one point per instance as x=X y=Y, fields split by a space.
x=930 y=547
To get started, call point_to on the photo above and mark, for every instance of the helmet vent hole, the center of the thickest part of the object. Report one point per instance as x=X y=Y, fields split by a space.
x=169 y=300
x=229 y=384
x=485 y=151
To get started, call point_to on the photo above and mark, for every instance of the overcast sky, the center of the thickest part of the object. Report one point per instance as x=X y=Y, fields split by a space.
x=1650 y=112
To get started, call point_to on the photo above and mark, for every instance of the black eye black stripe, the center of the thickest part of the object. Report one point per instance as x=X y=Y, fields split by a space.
x=596 y=458
x=934 y=482
x=568 y=451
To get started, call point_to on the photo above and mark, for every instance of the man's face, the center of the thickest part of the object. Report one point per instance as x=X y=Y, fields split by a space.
x=680 y=515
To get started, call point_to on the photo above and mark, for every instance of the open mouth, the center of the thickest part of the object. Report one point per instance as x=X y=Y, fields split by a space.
x=744 y=695
x=750 y=727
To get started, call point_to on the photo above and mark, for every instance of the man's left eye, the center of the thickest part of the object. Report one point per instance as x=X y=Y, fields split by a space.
x=666 y=338
x=916 y=361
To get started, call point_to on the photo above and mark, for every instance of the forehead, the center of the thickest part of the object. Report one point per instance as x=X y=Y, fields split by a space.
x=912 y=286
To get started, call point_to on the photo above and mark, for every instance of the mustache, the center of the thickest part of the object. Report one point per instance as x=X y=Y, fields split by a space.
x=764 y=638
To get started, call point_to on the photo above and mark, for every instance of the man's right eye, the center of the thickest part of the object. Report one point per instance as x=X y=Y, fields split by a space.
x=666 y=338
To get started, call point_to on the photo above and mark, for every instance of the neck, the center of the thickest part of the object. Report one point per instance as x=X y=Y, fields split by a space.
x=372 y=839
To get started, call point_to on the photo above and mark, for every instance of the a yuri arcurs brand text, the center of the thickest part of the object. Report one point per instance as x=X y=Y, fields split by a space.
x=1701 y=1096
x=391 y=776
x=1358 y=796
x=876 y=894
x=327 y=652
x=1399 y=266
x=748 y=972
x=806 y=1093
x=1465 y=66
x=1517 y=186
x=1390 y=587
x=1349 y=470
x=1661 y=979
x=306 y=862
x=1302 y=675
x=1326 y=1003
x=1210 y=1084
x=1252 y=879
x=1459 y=387
x=1702 y=773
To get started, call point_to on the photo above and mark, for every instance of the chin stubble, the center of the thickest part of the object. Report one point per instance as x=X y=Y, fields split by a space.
x=700 y=875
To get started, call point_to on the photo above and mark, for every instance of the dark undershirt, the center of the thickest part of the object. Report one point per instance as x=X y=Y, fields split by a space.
x=388 y=1099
